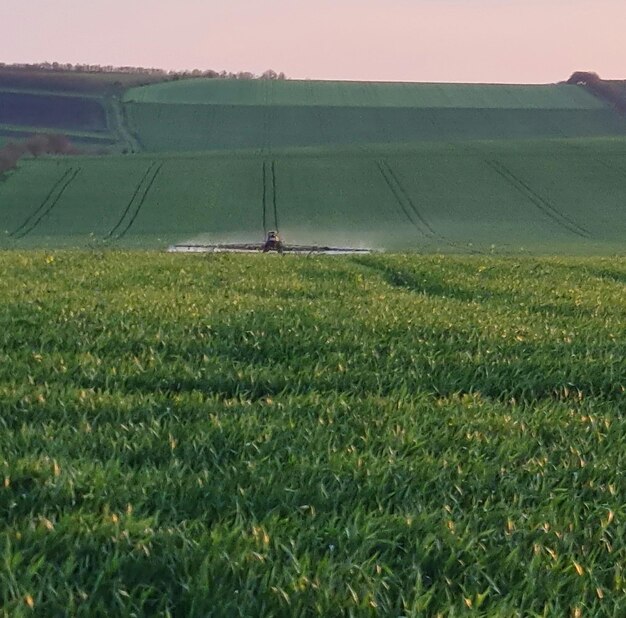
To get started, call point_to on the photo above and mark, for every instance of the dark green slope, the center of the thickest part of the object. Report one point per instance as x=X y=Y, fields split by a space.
x=199 y=115
x=167 y=127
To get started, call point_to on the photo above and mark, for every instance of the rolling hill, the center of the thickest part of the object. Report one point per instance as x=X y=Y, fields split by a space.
x=363 y=94
x=425 y=167
x=197 y=115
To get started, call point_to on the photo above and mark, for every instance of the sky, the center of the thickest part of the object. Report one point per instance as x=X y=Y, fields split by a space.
x=491 y=41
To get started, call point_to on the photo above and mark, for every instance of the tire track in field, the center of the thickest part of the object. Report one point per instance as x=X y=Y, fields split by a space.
x=264 y=172
x=136 y=202
x=388 y=180
x=543 y=205
x=43 y=204
x=142 y=201
x=429 y=230
x=406 y=203
x=265 y=139
x=412 y=212
x=269 y=196
x=132 y=200
x=318 y=115
x=274 y=196
x=46 y=207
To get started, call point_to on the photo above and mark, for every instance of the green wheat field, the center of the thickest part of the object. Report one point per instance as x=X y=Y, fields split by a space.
x=383 y=435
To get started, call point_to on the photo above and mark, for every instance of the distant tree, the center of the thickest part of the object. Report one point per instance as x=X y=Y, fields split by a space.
x=584 y=78
x=10 y=155
x=130 y=70
x=600 y=88
x=37 y=145
x=7 y=162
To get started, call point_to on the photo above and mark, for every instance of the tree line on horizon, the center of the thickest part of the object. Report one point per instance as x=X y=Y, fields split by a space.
x=60 y=67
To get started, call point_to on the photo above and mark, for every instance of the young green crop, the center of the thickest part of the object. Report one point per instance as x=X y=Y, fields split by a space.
x=563 y=196
x=213 y=114
x=382 y=435
x=350 y=94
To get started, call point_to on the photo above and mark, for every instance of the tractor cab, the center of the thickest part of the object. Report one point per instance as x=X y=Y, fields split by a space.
x=273 y=242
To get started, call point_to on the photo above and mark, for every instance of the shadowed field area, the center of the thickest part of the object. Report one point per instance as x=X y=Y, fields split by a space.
x=52 y=111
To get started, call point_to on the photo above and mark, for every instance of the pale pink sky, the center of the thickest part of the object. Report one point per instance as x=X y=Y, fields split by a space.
x=530 y=41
